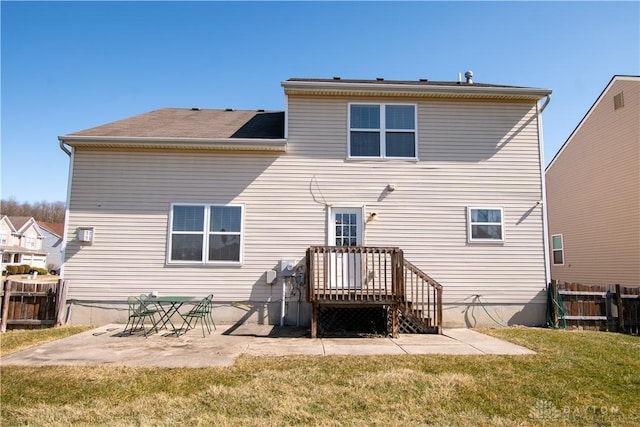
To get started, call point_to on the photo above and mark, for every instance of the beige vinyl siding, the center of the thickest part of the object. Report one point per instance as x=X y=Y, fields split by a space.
x=593 y=193
x=470 y=154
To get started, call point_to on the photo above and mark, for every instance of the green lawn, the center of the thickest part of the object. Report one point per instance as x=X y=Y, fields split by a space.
x=577 y=378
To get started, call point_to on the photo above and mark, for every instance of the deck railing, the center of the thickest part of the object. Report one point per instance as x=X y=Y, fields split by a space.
x=353 y=274
x=363 y=275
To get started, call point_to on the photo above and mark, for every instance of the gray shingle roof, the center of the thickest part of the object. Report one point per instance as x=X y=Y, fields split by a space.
x=195 y=123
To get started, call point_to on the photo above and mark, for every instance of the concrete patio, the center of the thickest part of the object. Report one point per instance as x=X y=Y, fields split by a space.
x=107 y=345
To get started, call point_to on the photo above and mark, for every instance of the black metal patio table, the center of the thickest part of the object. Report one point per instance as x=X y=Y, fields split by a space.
x=168 y=306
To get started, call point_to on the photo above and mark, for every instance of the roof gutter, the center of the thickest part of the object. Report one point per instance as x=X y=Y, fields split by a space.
x=276 y=144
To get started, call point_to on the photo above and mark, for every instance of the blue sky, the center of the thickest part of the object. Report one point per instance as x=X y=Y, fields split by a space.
x=68 y=66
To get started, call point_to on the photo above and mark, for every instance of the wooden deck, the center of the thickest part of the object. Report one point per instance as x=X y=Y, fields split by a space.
x=360 y=276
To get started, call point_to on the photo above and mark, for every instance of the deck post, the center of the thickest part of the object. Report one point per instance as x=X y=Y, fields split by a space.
x=314 y=320
x=394 y=320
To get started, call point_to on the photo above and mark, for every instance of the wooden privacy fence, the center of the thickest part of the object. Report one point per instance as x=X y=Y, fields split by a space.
x=32 y=304
x=600 y=307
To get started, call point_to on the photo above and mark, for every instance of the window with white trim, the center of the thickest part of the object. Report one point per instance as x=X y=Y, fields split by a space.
x=557 y=247
x=485 y=224
x=31 y=242
x=3 y=238
x=382 y=131
x=205 y=234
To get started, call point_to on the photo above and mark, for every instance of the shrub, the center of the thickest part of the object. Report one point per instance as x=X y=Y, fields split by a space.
x=24 y=269
x=12 y=269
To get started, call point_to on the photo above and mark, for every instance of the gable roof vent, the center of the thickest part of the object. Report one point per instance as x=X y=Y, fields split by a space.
x=618 y=101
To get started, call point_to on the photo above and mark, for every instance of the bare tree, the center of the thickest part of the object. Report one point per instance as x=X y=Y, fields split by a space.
x=40 y=211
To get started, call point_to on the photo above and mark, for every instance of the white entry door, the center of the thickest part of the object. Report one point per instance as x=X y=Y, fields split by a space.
x=346 y=230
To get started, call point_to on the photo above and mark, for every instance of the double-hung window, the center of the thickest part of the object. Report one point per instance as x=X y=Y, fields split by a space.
x=382 y=131
x=206 y=234
x=31 y=242
x=557 y=247
x=3 y=238
x=485 y=224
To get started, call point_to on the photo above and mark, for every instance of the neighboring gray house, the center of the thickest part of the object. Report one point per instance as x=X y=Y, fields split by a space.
x=593 y=192
x=52 y=243
x=198 y=201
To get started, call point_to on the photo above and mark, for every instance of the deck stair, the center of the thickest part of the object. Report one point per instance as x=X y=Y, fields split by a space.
x=419 y=302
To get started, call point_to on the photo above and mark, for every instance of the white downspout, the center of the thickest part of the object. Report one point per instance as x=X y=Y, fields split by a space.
x=283 y=303
x=545 y=225
x=65 y=233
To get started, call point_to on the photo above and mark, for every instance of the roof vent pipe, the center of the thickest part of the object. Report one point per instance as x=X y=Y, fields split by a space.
x=469 y=75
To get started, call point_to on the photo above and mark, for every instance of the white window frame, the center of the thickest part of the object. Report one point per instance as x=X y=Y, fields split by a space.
x=553 y=250
x=30 y=242
x=383 y=131
x=3 y=239
x=470 y=225
x=205 y=235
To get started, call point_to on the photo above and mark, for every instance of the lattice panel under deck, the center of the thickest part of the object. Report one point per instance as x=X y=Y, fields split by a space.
x=340 y=321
